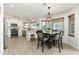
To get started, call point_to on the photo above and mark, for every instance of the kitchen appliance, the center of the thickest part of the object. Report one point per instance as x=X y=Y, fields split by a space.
x=14 y=30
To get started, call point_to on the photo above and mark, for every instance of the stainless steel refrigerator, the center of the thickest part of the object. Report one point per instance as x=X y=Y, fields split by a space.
x=5 y=33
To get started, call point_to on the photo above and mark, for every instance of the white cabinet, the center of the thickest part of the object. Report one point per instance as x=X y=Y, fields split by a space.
x=28 y=34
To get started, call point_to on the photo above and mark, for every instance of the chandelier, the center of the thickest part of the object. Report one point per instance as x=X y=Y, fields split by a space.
x=49 y=14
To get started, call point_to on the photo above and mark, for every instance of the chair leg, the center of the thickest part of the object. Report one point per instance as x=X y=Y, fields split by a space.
x=38 y=44
x=59 y=46
x=54 y=43
x=42 y=47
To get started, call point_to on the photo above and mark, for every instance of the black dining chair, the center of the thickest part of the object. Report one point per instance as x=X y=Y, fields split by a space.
x=54 y=30
x=41 y=38
x=61 y=36
x=58 y=40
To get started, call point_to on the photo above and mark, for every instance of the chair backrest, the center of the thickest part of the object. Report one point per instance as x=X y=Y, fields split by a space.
x=39 y=31
x=54 y=30
x=59 y=36
x=39 y=34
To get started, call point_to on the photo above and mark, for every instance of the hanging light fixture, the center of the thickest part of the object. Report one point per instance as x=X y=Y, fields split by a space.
x=48 y=5
x=49 y=14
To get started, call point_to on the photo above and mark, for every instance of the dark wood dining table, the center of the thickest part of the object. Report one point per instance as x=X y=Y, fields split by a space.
x=51 y=35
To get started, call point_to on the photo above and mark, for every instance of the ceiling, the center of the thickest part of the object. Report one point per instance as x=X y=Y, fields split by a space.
x=35 y=10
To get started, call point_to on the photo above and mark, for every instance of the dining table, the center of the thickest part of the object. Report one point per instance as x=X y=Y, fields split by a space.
x=51 y=35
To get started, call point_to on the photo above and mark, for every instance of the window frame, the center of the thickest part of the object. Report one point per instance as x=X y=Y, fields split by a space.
x=70 y=34
x=58 y=20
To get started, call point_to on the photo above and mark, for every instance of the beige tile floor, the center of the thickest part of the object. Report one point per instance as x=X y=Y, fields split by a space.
x=20 y=46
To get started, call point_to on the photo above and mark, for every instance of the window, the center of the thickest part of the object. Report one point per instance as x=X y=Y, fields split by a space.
x=71 y=25
x=33 y=25
x=58 y=24
x=26 y=25
x=45 y=24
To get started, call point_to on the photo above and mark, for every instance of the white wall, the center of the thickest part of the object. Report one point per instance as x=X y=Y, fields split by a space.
x=77 y=25
x=18 y=21
x=73 y=41
x=1 y=29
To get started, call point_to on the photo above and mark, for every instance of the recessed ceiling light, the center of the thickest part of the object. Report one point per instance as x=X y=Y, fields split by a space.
x=26 y=13
x=10 y=12
x=44 y=4
x=48 y=4
x=11 y=5
x=20 y=16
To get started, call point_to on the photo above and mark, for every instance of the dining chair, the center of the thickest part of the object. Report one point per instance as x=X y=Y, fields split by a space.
x=61 y=36
x=54 y=30
x=58 y=40
x=41 y=38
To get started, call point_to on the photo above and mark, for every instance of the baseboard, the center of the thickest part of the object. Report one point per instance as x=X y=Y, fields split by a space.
x=1 y=53
x=70 y=44
x=64 y=41
x=73 y=46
